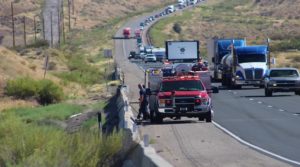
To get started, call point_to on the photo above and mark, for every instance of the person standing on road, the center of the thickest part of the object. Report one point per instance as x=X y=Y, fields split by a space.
x=143 y=101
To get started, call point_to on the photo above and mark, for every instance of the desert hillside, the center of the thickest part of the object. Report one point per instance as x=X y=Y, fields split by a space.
x=84 y=14
x=279 y=8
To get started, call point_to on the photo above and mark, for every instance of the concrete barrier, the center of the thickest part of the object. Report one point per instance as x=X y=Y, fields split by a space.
x=139 y=153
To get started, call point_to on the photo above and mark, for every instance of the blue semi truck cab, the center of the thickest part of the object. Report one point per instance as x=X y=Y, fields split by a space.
x=216 y=50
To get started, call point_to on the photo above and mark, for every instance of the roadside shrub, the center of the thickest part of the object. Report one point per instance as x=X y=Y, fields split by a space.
x=45 y=91
x=48 y=92
x=22 y=88
x=177 y=28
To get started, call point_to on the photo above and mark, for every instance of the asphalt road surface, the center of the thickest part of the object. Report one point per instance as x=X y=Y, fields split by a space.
x=270 y=123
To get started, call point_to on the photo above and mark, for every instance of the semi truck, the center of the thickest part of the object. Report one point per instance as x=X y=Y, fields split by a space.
x=245 y=66
x=160 y=53
x=216 y=50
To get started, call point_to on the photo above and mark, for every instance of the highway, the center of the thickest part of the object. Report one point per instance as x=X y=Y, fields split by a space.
x=270 y=123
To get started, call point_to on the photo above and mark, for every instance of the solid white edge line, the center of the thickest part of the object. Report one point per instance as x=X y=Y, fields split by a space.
x=254 y=146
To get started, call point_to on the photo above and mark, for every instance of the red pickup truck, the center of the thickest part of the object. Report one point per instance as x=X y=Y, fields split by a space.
x=181 y=96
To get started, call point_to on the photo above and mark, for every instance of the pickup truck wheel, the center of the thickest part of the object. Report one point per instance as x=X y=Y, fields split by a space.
x=159 y=119
x=208 y=117
x=268 y=92
x=152 y=116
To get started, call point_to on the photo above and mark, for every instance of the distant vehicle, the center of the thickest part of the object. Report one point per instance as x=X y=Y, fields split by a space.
x=137 y=33
x=127 y=32
x=282 y=80
x=142 y=24
x=139 y=41
x=170 y=9
x=148 y=49
x=142 y=55
x=132 y=55
x=150 y=58
x=160 y=53
x=193 y=2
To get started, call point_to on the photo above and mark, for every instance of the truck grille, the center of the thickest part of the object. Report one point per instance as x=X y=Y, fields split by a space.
x=286 y=83
x=254 y=74
x=183 y=100
x=258 y=73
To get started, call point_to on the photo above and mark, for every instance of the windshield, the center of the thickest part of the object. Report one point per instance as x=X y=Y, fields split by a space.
x=251 y=58
x=181 y=86
x=284 y=73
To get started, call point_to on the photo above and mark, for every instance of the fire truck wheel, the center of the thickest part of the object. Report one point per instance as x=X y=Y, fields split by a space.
x=200 y=118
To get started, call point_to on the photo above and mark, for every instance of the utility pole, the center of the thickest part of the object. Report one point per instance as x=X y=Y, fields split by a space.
x=63 y=22
x=34 y=27
x=73 y=7
x=51 y=30
x=69 y=13
x=13 y=23
x=44 y=36
x=58 y=25
x=24 y=21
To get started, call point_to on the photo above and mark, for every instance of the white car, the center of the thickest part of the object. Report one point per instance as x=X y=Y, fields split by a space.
x=150 y=58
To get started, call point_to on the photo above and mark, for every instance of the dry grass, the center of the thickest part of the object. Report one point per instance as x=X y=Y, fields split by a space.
x=8 y=103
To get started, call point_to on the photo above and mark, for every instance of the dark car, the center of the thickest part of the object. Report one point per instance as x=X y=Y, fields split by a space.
x=282 y=80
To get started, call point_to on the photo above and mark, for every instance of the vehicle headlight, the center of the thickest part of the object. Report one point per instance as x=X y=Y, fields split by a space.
x=165 y=102
x=271 y=82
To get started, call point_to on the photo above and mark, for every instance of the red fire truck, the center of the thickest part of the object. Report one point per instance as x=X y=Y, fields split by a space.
x=180 y=95
x=127 y=32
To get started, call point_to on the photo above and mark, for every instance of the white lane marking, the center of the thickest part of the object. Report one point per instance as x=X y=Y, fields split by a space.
x=281 y=110
x=229 y=90
x=270 y=106
x=254 y=146
x=124 y=49
x=235 y=93
x=259 y=102
x=251 y=99
x=75 y=115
